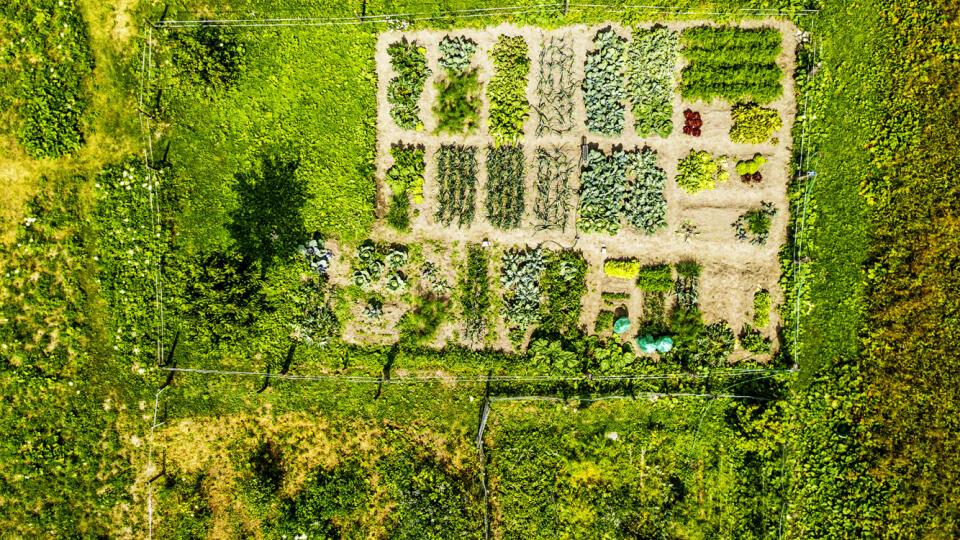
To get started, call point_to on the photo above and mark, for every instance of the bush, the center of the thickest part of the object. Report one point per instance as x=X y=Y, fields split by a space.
x=761 y=308
x=622 y=268
x=604 y=322
x=753 y=341
x=409 y=62
x=753 y=124
x=655 y=278
x=507 y=90
x=697 y=171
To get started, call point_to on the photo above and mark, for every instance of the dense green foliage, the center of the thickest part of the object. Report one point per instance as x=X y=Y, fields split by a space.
x=456 y=189
x=405 y=179
x=507 y=90
x=563 y=285
x=655 y=278
x=649 y=69
x=761 y=308
x=44 y=64
x=457 y=106
x=753 y=124
x=475 y=294
x=644 y=205
x=520 y=278
x=409 y=62
x=504 y=201
x=698 y=171
x=603 y=85
x=603 y=184
x=731 y=63
x=621 y=268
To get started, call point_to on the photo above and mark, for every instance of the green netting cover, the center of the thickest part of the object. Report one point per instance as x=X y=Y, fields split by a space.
x=664 y=344
x=647 y=344
x=622 y=325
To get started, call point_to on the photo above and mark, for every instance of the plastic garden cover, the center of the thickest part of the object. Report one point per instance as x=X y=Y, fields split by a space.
x=622 y=325
x=647 y=344
x=664 y=344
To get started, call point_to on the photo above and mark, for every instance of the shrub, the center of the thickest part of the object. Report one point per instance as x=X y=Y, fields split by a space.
x=650 y=61
x=604 y=322
x=507 y=91
x=761 y=308
x=753 y=124
x=505 y=186
x=697 y=171
x=603 y=92
x=753 y=341
x=655 y=278
x=624 y=268
x=409 y=61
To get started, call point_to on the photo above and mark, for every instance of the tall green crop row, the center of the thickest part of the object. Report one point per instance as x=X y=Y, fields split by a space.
x=504 y=200
x=409 y=61
x=456 y=184
x=731 y=63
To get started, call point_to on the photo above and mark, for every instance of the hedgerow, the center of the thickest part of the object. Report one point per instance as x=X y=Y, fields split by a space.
x=603 y=91
x=409 y=62
x=504 y=185
x=507 y=90
x=650 y=62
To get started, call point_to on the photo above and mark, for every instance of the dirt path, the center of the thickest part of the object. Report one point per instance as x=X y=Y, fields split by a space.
x=733 y=270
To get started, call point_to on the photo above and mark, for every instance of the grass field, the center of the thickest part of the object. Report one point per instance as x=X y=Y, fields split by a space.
x=266 y=136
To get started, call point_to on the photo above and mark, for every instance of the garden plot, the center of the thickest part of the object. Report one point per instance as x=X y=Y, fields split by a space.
x=625 y=143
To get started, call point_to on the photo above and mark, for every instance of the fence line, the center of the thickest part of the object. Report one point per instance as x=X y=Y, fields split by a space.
x=476 y=379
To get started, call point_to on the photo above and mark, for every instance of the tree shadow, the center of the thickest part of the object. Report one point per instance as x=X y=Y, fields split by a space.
x=269 y=218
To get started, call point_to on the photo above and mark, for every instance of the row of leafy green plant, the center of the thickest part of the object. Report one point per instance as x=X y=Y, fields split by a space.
x=507 y=90
x=556 y=86
x=475 y=294
x=625 y=184
x=649 y=69
x=405 y=179
x=457 y=106
x=603 y=84
x=731 y=63
x=409 y=62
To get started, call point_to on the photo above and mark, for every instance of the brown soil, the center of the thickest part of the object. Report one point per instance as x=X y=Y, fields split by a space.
x=733 y=270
